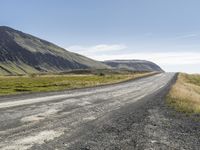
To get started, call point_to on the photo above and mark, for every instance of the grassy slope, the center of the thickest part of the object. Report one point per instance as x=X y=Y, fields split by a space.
x=185 y=94
x=9 y=68
x=42 y=83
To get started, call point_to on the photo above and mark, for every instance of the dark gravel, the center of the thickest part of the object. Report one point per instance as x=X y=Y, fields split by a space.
x=146 y=124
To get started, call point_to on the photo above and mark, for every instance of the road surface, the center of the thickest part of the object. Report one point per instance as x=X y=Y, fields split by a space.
x=119 y=116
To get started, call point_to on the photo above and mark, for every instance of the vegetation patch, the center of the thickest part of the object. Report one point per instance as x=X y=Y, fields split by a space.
x=43 y=83
x=184 y=96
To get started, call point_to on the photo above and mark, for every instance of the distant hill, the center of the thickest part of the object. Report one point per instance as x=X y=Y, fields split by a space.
x=21 y=53
x=134 y=65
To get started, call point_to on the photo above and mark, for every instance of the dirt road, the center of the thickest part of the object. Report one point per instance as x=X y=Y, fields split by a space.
x=129 y=115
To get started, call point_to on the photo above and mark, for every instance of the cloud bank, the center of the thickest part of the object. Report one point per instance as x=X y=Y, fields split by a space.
x=170 y=61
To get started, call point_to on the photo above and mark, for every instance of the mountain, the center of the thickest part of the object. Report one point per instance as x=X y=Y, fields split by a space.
x=134 y=65
x=21 y=53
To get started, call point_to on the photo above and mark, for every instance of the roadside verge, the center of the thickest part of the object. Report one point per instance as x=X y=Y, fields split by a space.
x=184 y=95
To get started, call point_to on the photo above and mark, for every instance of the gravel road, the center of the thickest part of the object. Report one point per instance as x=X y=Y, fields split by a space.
x=124 y=116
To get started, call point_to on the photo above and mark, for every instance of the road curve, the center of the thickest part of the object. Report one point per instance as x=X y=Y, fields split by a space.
x=58 y=121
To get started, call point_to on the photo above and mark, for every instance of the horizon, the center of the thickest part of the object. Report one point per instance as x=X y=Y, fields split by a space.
x=165 y=33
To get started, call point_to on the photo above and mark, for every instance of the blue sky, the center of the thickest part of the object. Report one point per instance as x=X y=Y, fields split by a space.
x=164 y=31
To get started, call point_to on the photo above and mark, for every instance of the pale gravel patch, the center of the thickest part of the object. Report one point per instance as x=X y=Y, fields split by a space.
x=56 y=107
x=27 y=142
x=84 y=103
x=89 y=118
x=40 y=116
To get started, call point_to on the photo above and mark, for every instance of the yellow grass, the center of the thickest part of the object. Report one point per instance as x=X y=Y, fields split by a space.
x=185 y=94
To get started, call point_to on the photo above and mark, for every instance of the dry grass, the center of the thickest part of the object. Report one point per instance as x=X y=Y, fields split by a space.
x=185 y=94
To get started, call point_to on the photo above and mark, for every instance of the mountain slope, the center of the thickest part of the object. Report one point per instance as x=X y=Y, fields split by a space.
x=21 y=53
x=134 y=65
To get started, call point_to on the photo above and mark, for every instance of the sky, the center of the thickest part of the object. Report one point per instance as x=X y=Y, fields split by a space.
x=166 y=32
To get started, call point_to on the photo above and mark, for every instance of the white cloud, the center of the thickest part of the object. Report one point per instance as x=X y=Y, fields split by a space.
x=169 y=58
x=165 y=58
x=97 y=48
x=169 y=61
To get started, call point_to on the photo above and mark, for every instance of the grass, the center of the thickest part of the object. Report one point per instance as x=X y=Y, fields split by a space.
x=185 y=94
x=15 y=69
x=42 y=83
